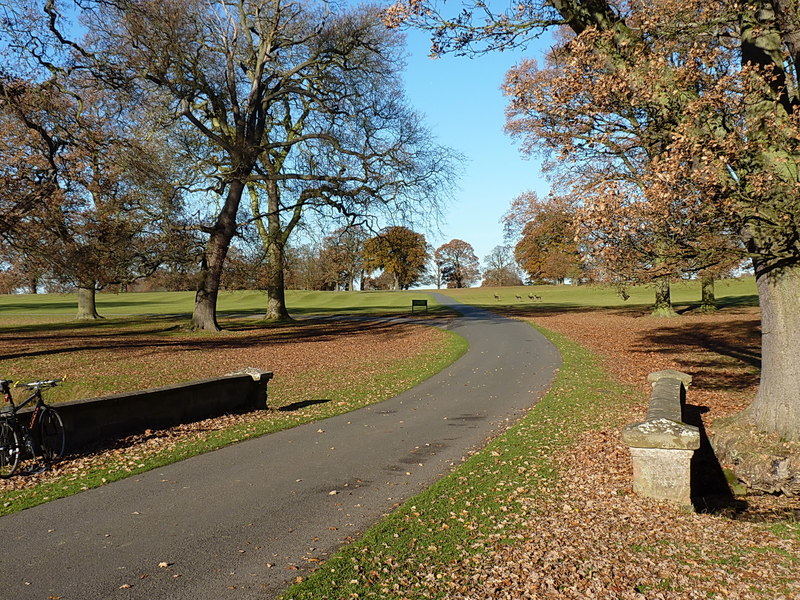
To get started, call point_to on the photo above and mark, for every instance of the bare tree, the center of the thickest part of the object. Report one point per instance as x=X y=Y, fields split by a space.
x=500 y=268
x=344 y=142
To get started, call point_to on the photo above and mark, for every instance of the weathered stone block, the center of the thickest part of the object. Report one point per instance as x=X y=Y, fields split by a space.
x=662 y=433
x=684 y=378
x=662 y=474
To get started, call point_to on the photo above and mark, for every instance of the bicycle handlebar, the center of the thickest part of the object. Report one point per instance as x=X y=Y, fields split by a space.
x=40 y=384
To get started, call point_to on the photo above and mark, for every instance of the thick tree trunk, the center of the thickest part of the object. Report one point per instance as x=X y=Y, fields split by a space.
x=274 y=240
x=776 y=407
x=708 y=301
x=87 y=307
x=276 y=295
x=663 y=304
x=204 y=316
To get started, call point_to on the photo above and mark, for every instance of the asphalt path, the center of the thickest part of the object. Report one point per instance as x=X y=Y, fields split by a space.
x=245 y=521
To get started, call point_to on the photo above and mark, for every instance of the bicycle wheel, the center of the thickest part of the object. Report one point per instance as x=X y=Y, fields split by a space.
x=9 y=449
x=51 y=434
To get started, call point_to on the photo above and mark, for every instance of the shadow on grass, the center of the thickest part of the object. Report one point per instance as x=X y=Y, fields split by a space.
x=302 y=404
x=138 y=323
x=130 y=336
x=723 y=355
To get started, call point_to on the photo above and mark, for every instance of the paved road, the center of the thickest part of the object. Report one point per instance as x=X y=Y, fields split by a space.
x=244 y=521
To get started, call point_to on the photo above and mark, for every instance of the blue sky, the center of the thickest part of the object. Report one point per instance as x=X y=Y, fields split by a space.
x=463 y=105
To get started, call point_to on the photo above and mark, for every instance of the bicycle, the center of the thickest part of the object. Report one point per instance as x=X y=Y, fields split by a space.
x=43 y=435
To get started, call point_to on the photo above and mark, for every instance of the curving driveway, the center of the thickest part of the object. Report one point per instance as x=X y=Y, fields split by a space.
x=244 y=521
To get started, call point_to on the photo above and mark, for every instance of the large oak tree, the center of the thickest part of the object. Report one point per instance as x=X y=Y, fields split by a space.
x=235 y=74
x=724 y=75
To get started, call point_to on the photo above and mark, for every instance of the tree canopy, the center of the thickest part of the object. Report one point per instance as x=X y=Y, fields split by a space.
x=459 y=265
x=399 y=252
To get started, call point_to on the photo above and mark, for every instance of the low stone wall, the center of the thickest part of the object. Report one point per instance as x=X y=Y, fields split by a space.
x=662 y=446
x=94 y=420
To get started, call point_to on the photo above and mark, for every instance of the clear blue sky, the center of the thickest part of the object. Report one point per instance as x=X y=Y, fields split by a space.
x=463 y=105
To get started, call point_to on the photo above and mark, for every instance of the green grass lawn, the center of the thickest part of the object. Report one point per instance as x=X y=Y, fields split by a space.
x=729 y=292
x=685 y=293
x=233 y=302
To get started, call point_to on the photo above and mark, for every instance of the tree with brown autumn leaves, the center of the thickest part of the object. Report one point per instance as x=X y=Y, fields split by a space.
x=459 y=265
x=400 y=253
x=544 y=231
x=97 y=199
x=712 y=92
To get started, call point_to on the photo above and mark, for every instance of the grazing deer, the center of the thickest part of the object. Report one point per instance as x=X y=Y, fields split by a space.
x=530 y=297
x=538 y=298
x=519 y=298
x=497 y=298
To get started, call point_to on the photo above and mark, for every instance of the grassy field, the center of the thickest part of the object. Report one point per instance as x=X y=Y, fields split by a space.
x=430 y=545
x=230 y=303
x=687 y=293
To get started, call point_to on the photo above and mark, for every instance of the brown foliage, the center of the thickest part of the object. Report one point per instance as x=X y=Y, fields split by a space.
x=458 y=263
x=399 y=252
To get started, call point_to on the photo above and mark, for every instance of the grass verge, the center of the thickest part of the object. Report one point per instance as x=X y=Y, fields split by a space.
x=478 y=504
x=327 y=397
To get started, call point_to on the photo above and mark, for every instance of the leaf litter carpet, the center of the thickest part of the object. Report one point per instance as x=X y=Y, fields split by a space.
x=593 y=538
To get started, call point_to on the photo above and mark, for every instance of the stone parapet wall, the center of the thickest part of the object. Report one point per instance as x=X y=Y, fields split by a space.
x=662 y=446
x=98 y=420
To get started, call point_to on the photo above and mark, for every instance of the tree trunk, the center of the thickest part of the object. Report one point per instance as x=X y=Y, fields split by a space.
x=87 y=307
x=204 y=316
x=663 y=304
x=708 y=302
x=776 y=407
x=276 y=295
x=273 y=238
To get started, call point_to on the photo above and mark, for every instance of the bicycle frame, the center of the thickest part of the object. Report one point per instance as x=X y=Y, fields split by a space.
x=15 y=408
